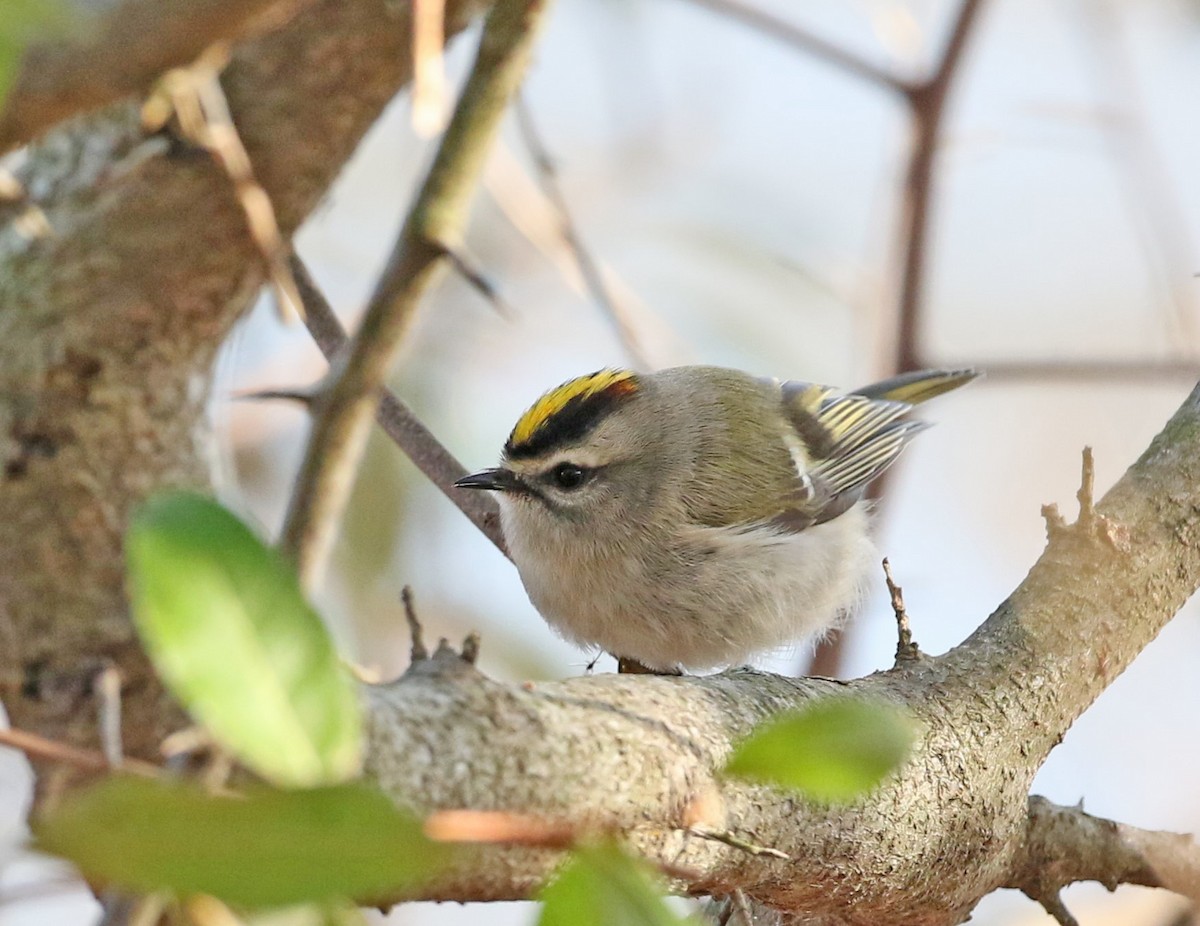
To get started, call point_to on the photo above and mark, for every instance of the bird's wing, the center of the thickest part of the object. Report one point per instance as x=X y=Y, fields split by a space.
x=848 y=440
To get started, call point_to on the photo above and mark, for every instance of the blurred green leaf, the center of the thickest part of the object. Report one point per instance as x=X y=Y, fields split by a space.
x=834 y=751
x=26 y=21
x=266 y=849
x=225 y=623
x=602 y=886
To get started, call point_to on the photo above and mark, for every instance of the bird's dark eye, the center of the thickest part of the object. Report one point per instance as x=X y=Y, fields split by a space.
x=569 y=476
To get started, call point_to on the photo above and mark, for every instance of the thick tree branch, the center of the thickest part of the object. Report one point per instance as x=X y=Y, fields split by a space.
x=110 y=326
x=1063 y=845
x=122 y=54
x=433 y=228
x=640 y=753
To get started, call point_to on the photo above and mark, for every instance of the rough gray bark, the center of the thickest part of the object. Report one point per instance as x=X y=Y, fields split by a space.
x=108 y=330
x=635 y=755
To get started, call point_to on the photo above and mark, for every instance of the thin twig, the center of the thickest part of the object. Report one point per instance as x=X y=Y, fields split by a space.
x=397 y=420
x=418 y=653
x=906 y=649
x=106 y=687
x=523 y=200
x=926 y=105
x=434 y=224
x=502 y=827
x=589 y=269
x=741 y=903
x=793 y=35
x=195 y=97
x=1089 y=370
x=727 y=838
x=275 y=395
x=1087 y=488
x=470 y=271
x=926 y=102
x=430 y=104
x=39 y=747
x=1147 y=185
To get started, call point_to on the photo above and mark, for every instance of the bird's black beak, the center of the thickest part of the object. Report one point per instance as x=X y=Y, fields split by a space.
x=495 y=480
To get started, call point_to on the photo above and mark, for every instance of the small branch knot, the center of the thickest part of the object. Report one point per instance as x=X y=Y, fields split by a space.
x=418 y=653
x=1090 y=525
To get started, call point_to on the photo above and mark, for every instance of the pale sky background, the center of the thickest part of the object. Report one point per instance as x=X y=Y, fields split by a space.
x=744 y=196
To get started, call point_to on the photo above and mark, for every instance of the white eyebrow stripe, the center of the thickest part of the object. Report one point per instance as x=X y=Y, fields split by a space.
x=582 y=457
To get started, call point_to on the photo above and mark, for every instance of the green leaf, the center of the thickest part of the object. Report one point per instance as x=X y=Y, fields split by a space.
x=23 y=22
x=225 y=623
x=836 y=750
x=602 y=886
x=266 y=849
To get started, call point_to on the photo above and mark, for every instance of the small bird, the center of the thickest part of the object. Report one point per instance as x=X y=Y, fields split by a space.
x=693 y=517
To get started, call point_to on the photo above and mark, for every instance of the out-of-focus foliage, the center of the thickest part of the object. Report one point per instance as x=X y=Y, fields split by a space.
x=227 y=626
x=267 y=848
x=836 y=750
x=602 y=886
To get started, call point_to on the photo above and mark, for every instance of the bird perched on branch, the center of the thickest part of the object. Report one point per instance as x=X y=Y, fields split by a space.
x=698 y=515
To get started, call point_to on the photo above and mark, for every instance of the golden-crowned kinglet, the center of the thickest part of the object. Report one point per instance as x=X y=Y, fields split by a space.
x=698 y=515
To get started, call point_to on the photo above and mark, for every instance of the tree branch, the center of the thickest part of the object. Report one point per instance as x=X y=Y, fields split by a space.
x=434 y=226
x=802 y=40
x=111 y=325
x=123 y=54
x=926 y=105
x=415 y=440
x=638 y=754
x=1063 y=845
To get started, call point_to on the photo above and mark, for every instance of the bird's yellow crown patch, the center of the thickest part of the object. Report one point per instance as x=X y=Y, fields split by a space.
x=605 y=386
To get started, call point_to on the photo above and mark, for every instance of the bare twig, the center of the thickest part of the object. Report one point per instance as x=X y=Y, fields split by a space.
x=1089 y=370
x=926 y=105
x=194 y=95
x=1147 y=187
x=1087 y=489
x=39 y=747
x=589 y=269
x=790 y=34
x=418 y=653
x=430 y=104
x=524 y=202
x=397 y=420
x=273 y=395
x=107 y=690
x=435 y=223
x=727 y=838
x=502 y=827
x=498 y=826
x=906 y=649
x=470 y=271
